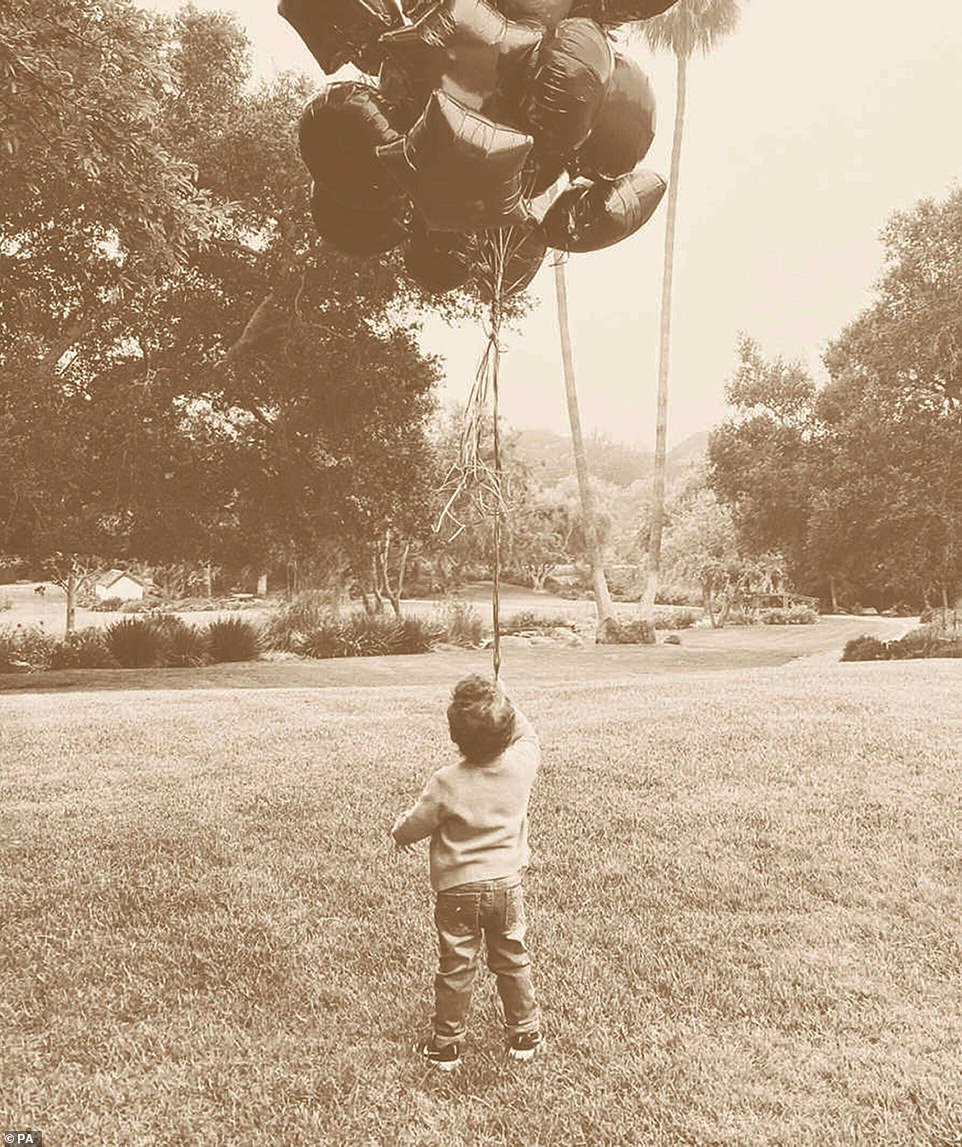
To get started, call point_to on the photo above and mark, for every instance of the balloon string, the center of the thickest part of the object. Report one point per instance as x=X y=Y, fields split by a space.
x=496 y=434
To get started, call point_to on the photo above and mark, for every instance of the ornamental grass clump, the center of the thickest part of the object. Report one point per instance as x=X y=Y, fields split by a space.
x=232 y=639
x=135 y=643
x=369 y=635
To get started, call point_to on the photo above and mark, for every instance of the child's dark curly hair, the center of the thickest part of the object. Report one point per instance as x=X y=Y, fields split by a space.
x=481 y=719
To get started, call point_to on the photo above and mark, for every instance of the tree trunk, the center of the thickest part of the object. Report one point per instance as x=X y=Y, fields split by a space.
x=832 y=589
x=661 y=425
x=70 y=588
x=708 y=597
x=603 y=606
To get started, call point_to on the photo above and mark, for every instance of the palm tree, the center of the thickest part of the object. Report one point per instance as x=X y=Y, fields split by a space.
x=605 y=610
x=688 y=25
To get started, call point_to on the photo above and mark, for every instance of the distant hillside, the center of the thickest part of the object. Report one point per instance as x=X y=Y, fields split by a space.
x=549 y=455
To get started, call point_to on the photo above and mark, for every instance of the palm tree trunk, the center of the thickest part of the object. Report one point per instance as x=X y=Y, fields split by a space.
x=605 y=610
x=661 y=426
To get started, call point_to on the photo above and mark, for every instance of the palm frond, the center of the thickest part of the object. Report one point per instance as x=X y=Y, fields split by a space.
x=691 y=25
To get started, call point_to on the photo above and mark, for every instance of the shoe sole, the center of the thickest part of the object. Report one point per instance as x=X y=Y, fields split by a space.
x=440 y=1064
x=525 y=1053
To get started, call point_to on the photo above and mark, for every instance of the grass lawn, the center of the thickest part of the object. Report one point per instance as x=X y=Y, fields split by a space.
x=744 y=909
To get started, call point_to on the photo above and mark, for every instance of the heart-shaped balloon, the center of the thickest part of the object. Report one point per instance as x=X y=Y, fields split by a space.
x=590 y=216
x=463 y=172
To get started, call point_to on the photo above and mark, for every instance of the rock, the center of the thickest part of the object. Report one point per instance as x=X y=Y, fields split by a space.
x=561 y=635
x=672 y=639
x=510 y=641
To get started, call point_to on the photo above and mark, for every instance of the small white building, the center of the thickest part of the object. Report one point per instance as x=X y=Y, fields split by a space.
x=119 y=583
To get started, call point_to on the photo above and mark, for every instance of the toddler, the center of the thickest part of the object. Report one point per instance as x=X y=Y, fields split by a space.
x=476 y=813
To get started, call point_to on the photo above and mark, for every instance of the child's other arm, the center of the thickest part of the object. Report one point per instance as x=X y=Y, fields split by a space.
x=421 y=819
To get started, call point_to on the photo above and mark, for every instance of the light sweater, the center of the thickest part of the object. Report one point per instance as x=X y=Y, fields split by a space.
x=476 y=815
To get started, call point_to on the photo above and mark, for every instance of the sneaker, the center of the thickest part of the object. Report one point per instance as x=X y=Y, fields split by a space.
x=446 y=1058
x=524 y=1045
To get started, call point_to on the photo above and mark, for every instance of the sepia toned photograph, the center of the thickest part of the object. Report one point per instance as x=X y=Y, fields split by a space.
x=480 y=573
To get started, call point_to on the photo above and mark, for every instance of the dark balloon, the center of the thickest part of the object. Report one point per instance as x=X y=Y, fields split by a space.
x=546 y=13
x=357 y=232
x=568 y=85
x=339 y=31
x=541 y=171
x=438 y=261
x=607 y=12
x=527 y=247
x=401 y=99
x=590 y=216
x=463 y=172
x=625 y=127
x=467 y=49
x=339 y=133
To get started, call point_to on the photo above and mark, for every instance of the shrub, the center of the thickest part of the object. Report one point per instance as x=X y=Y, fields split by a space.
x=369 y=635
x=108 y=605
x=5 y=604
x=181 y=644
x=232 y=639
x=135 y=606
x=530 y=619
x=865 y=648
x=28 y=646
x=793 y=615
x=461 y=623
x=84 y=649
x=635 y=632
x=676 y=617
x=135 y=643
x=418 y=635
x=305 y=613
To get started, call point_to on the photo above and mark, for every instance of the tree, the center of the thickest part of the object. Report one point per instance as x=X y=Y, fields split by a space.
x=688 y=25
x=259 y=394
x=760 y=457
x=891 y=417
x=94 y=210
x=604 y=609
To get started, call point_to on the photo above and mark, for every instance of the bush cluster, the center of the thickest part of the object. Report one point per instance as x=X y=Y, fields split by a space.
x=676 y=616
x=25 y=647
x=634 y=632
x=925 y=641
x=460 y=624
x=368 y=635
x=793 y=615
x=158 y=641
x=527 y=619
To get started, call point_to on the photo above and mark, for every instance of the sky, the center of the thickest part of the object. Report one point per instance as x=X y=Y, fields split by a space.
x=805 y=130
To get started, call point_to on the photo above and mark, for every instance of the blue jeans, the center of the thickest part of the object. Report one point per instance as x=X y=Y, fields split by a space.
x=493 y=909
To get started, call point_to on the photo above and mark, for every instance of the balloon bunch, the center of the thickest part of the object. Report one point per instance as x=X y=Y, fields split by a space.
x=513 y=118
